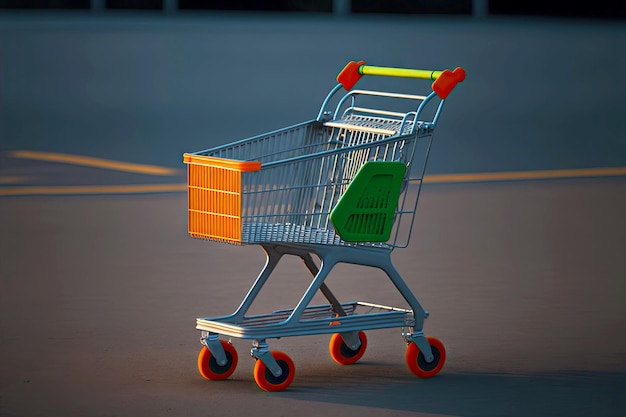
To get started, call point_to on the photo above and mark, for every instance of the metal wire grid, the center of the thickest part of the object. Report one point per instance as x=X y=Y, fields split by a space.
x=325 y=311
x=301 y=139
x=305 y=170
x=355 y=120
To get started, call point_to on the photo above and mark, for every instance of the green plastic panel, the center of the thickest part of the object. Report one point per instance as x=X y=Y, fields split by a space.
x=366 y=210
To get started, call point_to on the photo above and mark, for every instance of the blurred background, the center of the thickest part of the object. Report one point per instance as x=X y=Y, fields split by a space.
x=146 y=80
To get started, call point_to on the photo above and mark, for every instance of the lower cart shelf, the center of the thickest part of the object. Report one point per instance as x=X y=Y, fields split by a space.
x=313 y=320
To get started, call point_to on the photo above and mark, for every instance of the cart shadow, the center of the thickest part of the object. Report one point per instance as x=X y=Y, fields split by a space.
x=474 y=394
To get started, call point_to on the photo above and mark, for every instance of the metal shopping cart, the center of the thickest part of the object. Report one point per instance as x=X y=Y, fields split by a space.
x=342 y=188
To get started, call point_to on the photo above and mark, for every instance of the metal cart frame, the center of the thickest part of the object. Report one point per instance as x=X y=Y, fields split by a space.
x=283 y=191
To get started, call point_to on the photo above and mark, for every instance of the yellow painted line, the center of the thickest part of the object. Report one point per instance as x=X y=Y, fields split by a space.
x=527 y=175
x=444 y=178
x=93 y=162
x=92 y=189
x=10 y=180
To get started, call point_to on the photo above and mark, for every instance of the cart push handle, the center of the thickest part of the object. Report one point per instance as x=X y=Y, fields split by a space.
x=443 y=81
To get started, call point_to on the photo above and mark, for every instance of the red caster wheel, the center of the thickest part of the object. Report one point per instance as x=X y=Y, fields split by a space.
x=208 y=366
x=417 y=363
x=267 y=381
x=342 y=354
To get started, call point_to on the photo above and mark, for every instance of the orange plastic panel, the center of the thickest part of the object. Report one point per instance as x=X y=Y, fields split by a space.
x=243 y=166
x=214 y=197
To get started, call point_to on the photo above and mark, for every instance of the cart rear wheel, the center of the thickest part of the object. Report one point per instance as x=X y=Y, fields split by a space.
x=208 y=366
x=417 y=363
x=267 y=381
x=342 y=354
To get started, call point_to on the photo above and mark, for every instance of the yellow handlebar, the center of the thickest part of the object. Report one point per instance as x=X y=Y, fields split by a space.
x=444 y=81
x=399 y=72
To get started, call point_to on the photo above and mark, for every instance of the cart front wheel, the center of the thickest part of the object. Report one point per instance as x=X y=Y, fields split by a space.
x=417 y=363
x=342 y=354
x=210 y=369
x=267 y=381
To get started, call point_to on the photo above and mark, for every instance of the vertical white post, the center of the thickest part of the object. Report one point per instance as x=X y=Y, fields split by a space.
x=480 y=8
x=170 y=6
x=98 y=5
x=342 y=7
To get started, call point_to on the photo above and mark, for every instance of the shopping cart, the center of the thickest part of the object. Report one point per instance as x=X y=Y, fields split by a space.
x=343 y=188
